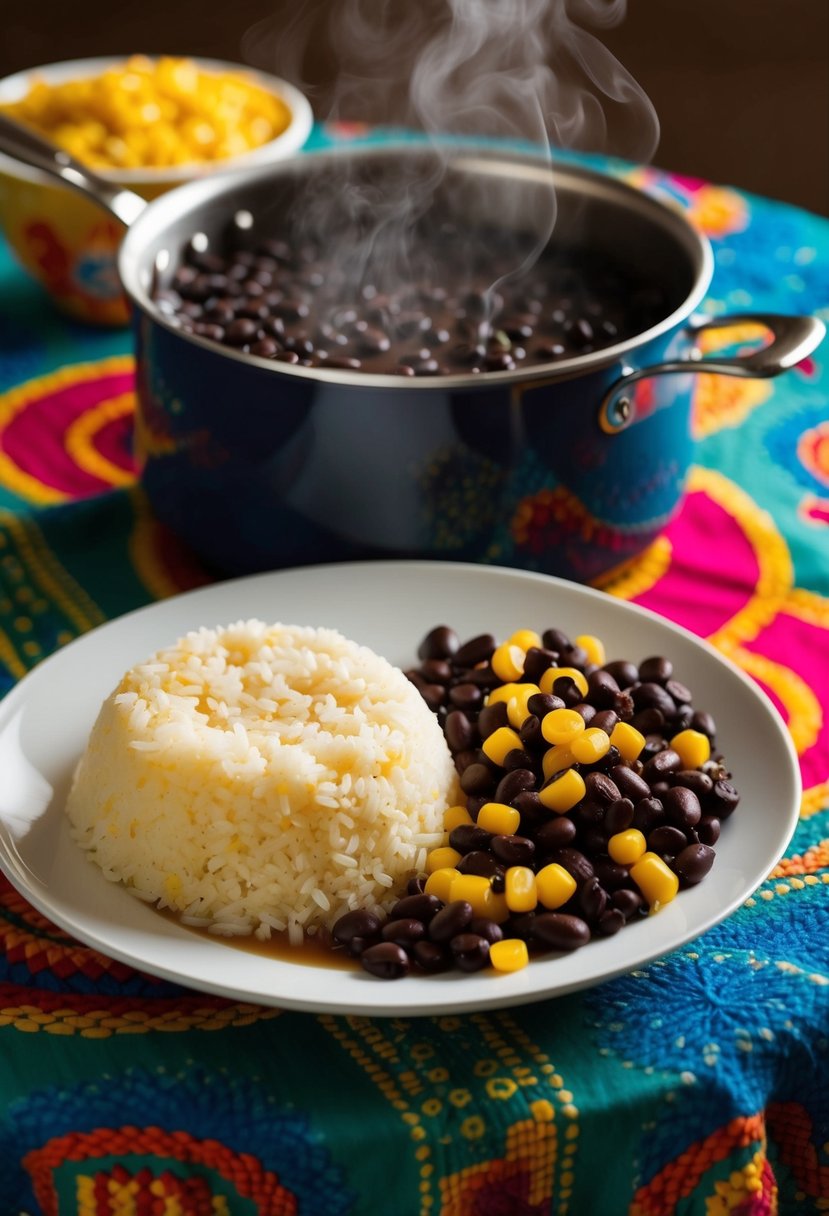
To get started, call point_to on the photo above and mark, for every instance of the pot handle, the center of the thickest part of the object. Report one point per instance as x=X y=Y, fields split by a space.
x=24 y=145
x=793 y=338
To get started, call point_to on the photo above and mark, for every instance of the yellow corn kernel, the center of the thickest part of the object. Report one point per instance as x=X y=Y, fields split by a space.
x=497 y=908
x=525 y=638
x=455 y=816
x=116 y=151
x=164 y=145
x=500 y=743
x=477 y=892
x=655 y=880
x=561 y=726
x=517 y=711
x=625 y=848
x=94 y=132
x=498 y=818
x=563 y=792
x=556 y=759
x=439 y=883
x=590 y=745
x=174 y=75
x=593 y=648
x=692 y=747
x=510 y=954
x=508 y=661
x=520 y=889
x=200 y=136
x=628 y=740
x=503 y=693
x=259 y=131
x=441 y=859
x=75 y=144
x=555 y=673
x=473 y=888
x=150 y=112
x=554 y=885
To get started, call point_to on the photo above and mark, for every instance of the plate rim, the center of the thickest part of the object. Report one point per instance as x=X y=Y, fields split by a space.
x=377 y=1005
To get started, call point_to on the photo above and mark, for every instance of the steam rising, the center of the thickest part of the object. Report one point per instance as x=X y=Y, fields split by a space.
x=523 y=70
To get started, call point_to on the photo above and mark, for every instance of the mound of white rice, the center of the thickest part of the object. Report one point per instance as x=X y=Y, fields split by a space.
x=263 y=778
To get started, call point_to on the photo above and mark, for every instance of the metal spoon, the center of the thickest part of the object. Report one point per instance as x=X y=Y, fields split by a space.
x=24 y=145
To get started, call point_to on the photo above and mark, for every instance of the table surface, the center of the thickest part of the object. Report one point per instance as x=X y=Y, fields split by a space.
x=694 y=1085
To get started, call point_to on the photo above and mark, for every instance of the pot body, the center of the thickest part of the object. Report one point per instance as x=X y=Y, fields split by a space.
x=258 y=464
x=257 y=471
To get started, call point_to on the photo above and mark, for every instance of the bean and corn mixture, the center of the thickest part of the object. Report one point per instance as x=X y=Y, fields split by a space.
x=594 y=793
x=155 y=114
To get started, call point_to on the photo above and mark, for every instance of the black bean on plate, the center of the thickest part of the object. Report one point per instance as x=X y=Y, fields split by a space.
x=640 y=801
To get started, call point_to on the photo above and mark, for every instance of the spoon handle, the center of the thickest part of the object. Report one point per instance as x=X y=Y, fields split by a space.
x=31 y=149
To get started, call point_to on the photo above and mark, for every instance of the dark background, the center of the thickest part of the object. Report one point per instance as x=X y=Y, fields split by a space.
x=741 y=87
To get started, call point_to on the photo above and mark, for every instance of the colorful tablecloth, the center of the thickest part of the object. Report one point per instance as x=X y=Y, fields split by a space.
x=698 y=1084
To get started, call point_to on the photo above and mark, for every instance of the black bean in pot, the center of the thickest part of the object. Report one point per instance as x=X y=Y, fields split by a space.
x=397 y=329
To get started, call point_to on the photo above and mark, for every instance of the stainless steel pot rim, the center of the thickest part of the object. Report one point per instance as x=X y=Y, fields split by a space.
x=479 y=160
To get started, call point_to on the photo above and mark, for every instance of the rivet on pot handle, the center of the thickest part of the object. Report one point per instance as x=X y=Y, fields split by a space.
x=24 y=145
x=793 y=338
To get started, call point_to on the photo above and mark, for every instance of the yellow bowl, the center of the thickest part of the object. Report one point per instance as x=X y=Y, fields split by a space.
x=68 y=243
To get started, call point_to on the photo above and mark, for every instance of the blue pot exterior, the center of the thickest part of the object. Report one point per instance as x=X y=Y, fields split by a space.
x=257 y=468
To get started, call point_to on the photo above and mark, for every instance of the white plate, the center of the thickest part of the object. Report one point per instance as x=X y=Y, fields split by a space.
x=389 y=606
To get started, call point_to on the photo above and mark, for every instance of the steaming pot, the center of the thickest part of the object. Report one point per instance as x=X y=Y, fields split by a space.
x=568 y=467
